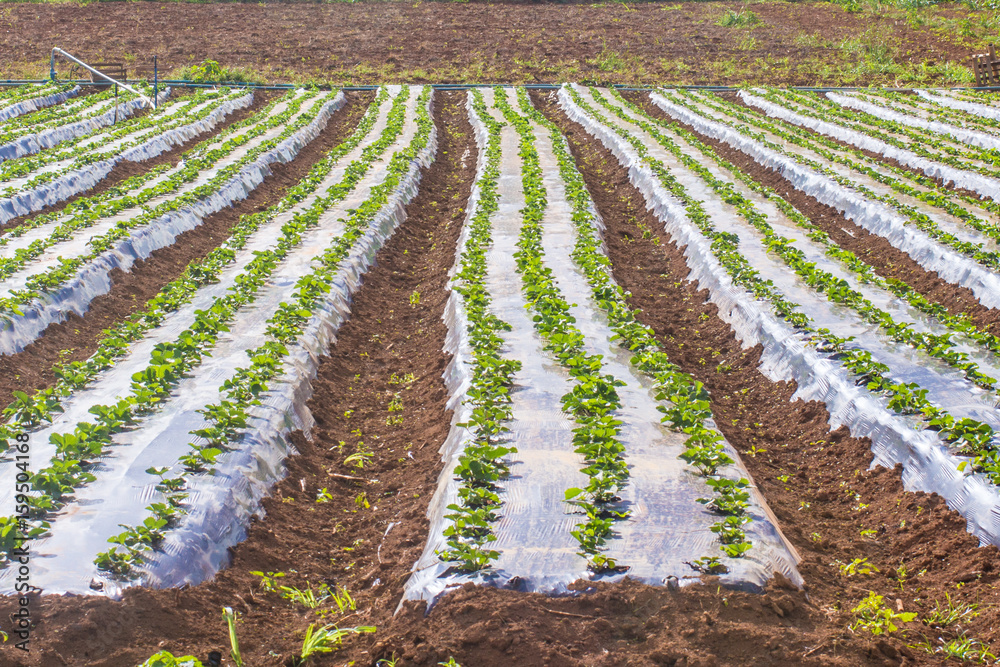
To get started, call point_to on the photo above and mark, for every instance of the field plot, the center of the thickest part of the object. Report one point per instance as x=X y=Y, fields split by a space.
x=644 y=362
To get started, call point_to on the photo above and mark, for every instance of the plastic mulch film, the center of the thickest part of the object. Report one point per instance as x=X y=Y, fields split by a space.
x=945 y=100
x=875 y=217
x=75 y=182
x=961 y=178
x=959 y=134
x=667 y=527
x=947 y=222
x=10 y=243
x=947 y=386
x=78 y=242
x=220 y=505
x=928 y=465
x=36 y=103
x=56 y=135
x=94 y=279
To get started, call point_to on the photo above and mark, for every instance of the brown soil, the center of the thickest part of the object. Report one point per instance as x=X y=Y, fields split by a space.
x=77 y=337
x=794 y=43
x=373 y=525
x=807 y=473
x=341 y=542
x=128 y=168
x=887 y=260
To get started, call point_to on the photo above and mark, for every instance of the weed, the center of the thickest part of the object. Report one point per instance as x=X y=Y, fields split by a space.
x=950 y=613
x=327 y=638
x=267 y=580
x=872 y=615
x=857 y=566
x=738 y=19
x=234 y=642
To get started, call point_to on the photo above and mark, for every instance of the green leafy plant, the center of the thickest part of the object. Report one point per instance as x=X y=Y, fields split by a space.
x=872 y=615
x=738 y=19
x=857 y=566
x=951 y=612
x=234 y=643
x=325 y=639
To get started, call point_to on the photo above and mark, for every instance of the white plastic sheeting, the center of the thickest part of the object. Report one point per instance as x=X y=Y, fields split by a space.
x=875 y=217
x=947 y=387
x=56 y=135
x=78 y=242
x=666 y=527
x=220 y=504
x=94 y=279
x=962 y=135
x=927 y=463
x=947 y=222
x=36 y=103
x=984 y=110
x=83 y=179
x=969 y=180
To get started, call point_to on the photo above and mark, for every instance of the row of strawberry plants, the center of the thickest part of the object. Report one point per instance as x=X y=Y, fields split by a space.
x=898 y=111
x=972 y=110
x=968 y=435
x=835 y=289
x=11 y=94
x=593 y=400
x=960 y=324
x=28 y=412
x=884 y=130
x=687 y=408
x=227 y=418
x=952 y=140
x=149 y=385
x=92 y=210
x=76 y=138
x=482 y=464
x=55 y=116
x=930 y=106
x=913 y=216
x=53 y=278
x=927 y=191
x=64 y=159
x=202 y=156
x=169 y=361
x=23 y=111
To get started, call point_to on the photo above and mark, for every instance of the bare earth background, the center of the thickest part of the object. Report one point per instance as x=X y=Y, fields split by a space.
x=792 y=44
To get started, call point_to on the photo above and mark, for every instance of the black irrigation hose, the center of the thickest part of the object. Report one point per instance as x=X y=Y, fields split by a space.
x=464 y=86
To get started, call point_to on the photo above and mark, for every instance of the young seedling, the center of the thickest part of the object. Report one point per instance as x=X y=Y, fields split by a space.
x=234 y=642
x=708 y=565
x=327 y=638
x=857 y=566
x=267 y=580
x=872 y=615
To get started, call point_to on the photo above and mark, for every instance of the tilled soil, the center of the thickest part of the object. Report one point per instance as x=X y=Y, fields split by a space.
x=816 y=480
x=444 y=42
x=370 y=526
x=360 y=526
x=129 y=168
x=76 y=338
